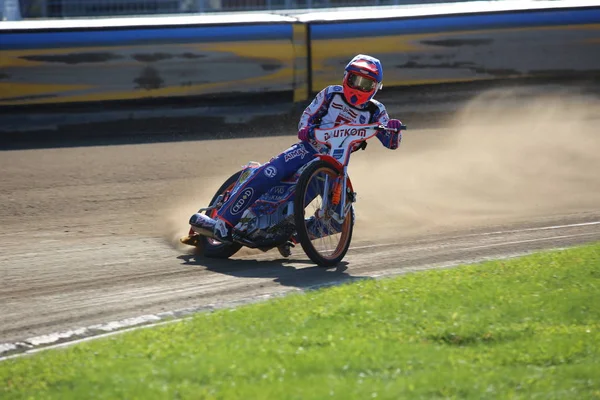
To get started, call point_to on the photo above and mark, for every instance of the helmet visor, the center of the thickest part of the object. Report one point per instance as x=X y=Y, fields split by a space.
x=361 y=83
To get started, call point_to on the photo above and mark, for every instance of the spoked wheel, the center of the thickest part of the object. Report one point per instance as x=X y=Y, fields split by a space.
x=212 y=247
x=323 y=239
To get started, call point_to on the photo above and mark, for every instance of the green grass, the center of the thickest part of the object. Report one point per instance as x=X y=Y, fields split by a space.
x=522 y=328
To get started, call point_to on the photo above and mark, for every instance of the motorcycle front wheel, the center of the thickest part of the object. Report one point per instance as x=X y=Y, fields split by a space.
x=324 y=240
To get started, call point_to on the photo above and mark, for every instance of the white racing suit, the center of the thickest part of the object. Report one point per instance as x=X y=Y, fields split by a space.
x=330 y=109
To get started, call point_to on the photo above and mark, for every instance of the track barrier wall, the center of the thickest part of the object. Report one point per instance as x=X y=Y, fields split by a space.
x=241 y=55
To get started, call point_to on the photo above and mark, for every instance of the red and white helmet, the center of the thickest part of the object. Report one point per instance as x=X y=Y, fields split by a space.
x=363 y=76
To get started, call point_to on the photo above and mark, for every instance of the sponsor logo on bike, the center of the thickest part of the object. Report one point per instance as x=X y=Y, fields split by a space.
x=243 y=178
x=275 y=194
x=270 y=171
x=299 y=151
x=345 y=132
x=243 y=200
x=279 y=190
x=338 y=153
x=247 y=172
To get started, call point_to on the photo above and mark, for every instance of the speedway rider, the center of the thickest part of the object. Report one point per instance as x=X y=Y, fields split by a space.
x=349 y=103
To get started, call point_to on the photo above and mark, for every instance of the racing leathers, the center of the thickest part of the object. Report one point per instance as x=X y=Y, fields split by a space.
x=328 y=109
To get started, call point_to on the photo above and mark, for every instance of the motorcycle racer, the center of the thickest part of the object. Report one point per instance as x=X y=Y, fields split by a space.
x=349 y=103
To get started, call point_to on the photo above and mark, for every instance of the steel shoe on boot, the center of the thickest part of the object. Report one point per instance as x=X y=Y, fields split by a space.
x=191 y=240
x=286 y=249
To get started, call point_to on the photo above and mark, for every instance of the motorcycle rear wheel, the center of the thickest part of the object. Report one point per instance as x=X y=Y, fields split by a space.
x=213 y=248
x=327 y=250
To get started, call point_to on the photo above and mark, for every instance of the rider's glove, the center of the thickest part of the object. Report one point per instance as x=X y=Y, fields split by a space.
x=394 y=124
x=305 y=134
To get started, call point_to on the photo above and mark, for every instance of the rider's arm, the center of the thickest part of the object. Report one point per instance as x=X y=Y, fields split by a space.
x=390 y=140
x=317 y=109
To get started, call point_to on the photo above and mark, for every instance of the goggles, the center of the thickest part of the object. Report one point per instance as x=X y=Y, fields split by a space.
x=361 y=83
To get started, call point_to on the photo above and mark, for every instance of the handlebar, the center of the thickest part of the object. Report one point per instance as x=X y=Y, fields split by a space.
x=380 y=127
x=384 y=128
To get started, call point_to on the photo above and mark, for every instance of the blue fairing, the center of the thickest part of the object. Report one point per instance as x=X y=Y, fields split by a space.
x=269 y=220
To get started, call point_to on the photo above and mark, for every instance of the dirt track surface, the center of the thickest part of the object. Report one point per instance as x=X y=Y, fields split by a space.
x=88 y=234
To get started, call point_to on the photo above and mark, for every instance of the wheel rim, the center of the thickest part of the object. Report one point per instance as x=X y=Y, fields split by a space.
x=332 y=236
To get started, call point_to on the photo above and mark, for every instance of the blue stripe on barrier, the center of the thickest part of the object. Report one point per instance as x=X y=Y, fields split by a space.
x=25 y=40
x=340 y=30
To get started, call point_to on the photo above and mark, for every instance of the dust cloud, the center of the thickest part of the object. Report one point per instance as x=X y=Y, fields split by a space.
x=175 y=219
x=506 y=156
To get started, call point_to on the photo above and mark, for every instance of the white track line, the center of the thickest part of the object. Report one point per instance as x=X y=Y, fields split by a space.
x=530 y=241
x=87 y=339
x=129 y=323
x=543 y=228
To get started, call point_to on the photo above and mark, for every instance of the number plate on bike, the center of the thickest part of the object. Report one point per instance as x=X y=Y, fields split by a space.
x=342 y=138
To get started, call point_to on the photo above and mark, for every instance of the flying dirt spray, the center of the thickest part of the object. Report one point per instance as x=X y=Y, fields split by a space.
x=506 y=156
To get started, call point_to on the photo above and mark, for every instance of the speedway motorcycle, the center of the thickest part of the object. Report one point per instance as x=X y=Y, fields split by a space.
x=314 y=207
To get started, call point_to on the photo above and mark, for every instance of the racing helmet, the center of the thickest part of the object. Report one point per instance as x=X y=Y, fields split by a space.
x=363 y=76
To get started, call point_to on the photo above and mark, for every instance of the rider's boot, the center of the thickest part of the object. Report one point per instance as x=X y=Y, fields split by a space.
x=191 y=240
x=213 y=228
x=286 y=249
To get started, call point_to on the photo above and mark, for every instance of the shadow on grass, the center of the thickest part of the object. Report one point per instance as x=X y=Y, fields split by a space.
x=294 y=272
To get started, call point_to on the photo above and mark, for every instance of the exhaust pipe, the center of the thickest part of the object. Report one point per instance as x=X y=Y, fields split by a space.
x=203 y=225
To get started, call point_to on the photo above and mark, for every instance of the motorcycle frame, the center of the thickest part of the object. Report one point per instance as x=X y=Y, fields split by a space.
x=335 y=138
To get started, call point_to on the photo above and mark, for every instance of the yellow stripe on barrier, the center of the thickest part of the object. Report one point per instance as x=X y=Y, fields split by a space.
x=50 y=69
x=300 y=47
x=15 y=90
x=172 y=91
